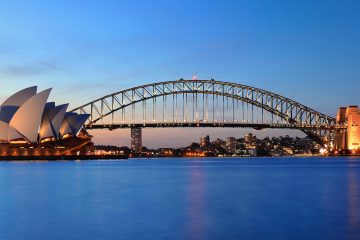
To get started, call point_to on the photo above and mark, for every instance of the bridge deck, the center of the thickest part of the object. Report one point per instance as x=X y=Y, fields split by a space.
x=217 y=125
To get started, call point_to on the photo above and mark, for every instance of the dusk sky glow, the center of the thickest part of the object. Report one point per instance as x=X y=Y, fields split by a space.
x=305 y=50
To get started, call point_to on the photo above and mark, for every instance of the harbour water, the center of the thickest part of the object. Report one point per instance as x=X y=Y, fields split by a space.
x=208 y=198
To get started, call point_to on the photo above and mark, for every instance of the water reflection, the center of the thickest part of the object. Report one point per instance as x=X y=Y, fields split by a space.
x=182 y=199
x=196 y=225
x=354 y=201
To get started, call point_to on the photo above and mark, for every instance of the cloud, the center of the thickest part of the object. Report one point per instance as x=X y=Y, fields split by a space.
x=28 y=70
x=19 y=71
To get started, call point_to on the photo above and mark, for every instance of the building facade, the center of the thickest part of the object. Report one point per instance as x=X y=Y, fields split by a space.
x=348 y=139
x=205 y=141
x=136 y=140
x=231 y=144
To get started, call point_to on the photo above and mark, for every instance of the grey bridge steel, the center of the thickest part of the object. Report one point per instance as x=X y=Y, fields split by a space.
x=320 y=127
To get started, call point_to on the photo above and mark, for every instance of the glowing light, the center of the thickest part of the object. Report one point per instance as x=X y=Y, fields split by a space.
x=323 y=151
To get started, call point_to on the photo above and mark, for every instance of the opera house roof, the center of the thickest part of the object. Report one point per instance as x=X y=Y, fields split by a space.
x=27 y=116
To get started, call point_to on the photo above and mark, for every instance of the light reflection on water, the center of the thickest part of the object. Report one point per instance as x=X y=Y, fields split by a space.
x=196 y=222
x=287 y=198
x=354 y=201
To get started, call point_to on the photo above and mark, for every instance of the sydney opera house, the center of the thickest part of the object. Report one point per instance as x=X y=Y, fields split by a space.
x=32 y=127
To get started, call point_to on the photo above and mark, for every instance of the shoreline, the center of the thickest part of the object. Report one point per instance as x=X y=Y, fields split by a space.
x=60 y=158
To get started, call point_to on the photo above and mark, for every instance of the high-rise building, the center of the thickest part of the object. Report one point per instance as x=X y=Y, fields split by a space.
x=218 y=143
x=205 y=141
x=136 y=139
x=231 y=144
x=250 y=141
x=340 y=140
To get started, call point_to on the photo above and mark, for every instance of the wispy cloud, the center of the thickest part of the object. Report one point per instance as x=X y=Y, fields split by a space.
x=28 y=70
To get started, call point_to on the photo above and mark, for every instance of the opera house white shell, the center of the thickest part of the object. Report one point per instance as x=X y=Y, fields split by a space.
x=27 y=116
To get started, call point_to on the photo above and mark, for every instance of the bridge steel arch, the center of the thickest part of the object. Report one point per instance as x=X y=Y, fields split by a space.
x=315 y=124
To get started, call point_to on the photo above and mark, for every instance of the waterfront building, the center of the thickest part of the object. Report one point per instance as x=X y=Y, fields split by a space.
x=136 y=139
x=218 y=143
x=252 y=152
x=231 y=144
x=29 y=125
x=205 y=141
x=348 y=139
x=165 y=152
x=250 y=141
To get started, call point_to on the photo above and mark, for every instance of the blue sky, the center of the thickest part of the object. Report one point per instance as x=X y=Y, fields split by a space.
x=305 y=50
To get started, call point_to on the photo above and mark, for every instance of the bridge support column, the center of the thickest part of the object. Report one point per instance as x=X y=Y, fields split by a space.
x=136 y=139
x=348 y=140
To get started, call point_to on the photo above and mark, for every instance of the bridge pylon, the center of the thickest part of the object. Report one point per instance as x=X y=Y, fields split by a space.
x=347 y=138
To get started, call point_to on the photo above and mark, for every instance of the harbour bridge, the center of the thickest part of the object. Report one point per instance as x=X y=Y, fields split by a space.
x=206 y=103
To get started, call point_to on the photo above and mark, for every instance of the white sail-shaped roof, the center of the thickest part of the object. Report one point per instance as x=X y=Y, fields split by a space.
x=57 y=119
x=27 y=118
x=4 y=129
x=49 y=105
x=7 y=112
x=46 y=126
x=20 y=97
x=73 y=123
x=65 y=125
x=78 y=122
x=8 y=133
x=52 y=119
x=12 y=104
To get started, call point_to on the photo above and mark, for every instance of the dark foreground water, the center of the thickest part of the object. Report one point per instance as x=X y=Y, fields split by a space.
x=287 y=198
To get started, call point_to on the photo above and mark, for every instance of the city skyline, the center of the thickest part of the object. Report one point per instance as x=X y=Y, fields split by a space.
x=302 y=51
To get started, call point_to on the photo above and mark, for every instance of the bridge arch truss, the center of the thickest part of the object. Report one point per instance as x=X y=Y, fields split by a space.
x=195 y=103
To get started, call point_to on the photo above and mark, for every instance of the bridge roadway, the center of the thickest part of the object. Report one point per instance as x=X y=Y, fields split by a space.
x=257 y=126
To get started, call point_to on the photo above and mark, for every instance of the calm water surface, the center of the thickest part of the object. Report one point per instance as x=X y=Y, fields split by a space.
x=284 y=198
